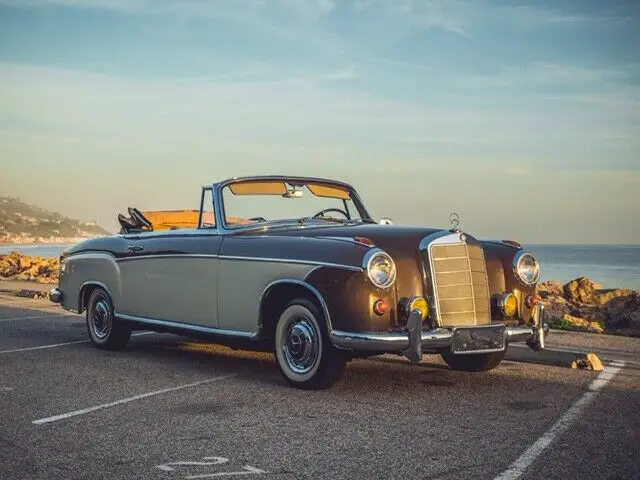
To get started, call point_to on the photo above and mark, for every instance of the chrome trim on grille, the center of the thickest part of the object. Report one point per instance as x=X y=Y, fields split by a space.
x=454 y=239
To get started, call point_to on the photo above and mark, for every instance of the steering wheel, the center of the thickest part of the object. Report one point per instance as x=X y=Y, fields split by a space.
x=258 y=219
x=322 y=212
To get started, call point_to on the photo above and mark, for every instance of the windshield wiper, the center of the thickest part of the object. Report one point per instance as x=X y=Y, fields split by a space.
x=304 y=220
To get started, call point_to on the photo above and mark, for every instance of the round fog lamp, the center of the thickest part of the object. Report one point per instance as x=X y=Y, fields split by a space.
x=508 y=303
x=420 y=304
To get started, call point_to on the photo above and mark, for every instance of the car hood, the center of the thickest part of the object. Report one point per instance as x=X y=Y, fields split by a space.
x=395 y=239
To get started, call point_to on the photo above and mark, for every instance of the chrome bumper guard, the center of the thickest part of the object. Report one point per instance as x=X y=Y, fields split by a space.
x=55 y=295
x=464 y=340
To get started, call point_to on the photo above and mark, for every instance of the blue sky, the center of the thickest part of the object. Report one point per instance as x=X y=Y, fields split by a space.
x=522 y=117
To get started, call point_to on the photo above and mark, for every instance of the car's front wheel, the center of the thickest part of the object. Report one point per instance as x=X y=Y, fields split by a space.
x=303 y=352
x=475 y=362
x=105 y=330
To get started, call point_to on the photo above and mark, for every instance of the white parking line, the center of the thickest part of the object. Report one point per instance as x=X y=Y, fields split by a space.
x=33 y=317
x=61 y=344
x=518 y=468
x=55 y=418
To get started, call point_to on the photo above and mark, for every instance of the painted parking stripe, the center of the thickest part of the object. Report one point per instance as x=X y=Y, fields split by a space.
x=62 y=416
x=518 y=468
x=33 y=317
x=40 y=347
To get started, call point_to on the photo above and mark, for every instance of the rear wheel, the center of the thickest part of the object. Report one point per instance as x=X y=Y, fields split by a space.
x=105 y=330
x=475 y=362
x=303 y=352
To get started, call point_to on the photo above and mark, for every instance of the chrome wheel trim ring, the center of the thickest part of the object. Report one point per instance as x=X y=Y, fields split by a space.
x=101 y=319
x=298 y=343
x=301 y=346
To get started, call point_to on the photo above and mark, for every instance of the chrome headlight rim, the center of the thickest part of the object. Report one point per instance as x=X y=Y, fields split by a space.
x=517 y=262
x=368 y=265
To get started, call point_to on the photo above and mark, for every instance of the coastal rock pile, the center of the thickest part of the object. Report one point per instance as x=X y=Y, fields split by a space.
x=22 y=267
x=582 y=304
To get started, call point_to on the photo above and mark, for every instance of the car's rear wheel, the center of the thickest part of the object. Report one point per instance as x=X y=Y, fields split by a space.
x=476 y=362
x=105 y=330
x=303 y=352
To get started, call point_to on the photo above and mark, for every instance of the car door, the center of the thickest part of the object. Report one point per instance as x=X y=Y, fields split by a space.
x=172 y=275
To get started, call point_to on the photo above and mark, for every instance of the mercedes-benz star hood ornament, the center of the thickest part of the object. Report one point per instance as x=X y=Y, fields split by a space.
x=454 y=218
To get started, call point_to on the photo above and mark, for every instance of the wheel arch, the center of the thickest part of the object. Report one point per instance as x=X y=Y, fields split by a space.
x=275 y=296
x=85 y=292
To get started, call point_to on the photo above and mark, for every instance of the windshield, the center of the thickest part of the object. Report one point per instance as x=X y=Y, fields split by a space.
x=259 y=201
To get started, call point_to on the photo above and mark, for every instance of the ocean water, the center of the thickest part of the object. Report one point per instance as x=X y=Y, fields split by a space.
x=612 y=266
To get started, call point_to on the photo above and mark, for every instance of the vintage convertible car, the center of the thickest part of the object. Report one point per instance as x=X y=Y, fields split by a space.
x=297 y=266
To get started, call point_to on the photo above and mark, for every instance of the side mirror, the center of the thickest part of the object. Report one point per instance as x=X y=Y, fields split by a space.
x=386 y=221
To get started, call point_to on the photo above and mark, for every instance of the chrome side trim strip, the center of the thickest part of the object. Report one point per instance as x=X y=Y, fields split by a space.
x=288 y=260
x=242 y=258
x=185 y=326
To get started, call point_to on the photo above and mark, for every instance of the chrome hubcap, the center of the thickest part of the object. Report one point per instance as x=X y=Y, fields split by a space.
x=301 y=346
x=101 y=319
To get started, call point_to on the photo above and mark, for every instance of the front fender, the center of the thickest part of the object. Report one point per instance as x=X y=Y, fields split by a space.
x=350 y=296
x=78 y=271
x=502 y=278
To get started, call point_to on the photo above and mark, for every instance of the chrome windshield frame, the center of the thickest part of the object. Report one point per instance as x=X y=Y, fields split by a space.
x=221 y=214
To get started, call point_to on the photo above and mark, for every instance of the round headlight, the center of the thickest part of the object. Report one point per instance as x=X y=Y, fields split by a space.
x=526 y=267
x=381 y=269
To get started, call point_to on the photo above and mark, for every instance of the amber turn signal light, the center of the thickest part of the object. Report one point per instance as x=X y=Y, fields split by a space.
x=380 y=307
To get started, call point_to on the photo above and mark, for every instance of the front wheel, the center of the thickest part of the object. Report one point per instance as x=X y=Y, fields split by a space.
x=304 y=355
x=475 y=362
x=105 y=330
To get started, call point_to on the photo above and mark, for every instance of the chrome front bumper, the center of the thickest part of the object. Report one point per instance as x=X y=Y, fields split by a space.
x=413 y=341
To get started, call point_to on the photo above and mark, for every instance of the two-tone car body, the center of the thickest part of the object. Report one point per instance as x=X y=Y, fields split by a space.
x=316 y=287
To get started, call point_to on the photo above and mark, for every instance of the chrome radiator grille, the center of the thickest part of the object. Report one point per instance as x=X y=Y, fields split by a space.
x=461 y=287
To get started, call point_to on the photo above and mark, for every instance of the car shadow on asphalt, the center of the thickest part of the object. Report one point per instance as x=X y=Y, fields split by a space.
x=387 y=373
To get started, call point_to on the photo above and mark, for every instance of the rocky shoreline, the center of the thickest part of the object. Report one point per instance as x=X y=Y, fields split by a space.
x=16 y=266
x=582 y=305
x=579 y=305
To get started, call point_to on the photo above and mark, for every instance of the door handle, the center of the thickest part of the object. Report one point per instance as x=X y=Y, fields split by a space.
x=135 y=248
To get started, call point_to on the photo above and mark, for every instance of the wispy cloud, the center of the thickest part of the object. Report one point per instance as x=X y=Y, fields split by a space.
x=549 y=73
x=535 y=16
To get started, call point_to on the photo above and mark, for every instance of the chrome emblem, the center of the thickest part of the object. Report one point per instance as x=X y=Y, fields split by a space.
x=454 y=218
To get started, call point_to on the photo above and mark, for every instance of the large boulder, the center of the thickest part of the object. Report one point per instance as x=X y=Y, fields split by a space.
x=549 y=289
x=555 y=308
x=581 y=290
x=605 y=297
x=577 y=323
x=623 y=311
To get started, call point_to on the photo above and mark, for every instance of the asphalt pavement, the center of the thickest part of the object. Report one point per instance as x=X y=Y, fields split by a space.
x=170 y=408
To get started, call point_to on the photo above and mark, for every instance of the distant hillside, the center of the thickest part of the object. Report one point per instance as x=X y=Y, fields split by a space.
x=24 y=223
